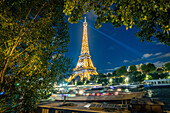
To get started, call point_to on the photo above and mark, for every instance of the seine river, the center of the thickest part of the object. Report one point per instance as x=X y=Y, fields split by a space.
x=162 y=93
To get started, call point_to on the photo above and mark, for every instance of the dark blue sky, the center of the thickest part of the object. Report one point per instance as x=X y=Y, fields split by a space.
x=112 y=47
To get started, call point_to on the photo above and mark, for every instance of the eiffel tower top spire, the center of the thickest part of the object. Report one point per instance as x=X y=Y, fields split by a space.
x=85 y=46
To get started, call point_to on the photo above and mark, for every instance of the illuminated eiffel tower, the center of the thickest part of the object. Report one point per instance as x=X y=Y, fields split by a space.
x=84 y=67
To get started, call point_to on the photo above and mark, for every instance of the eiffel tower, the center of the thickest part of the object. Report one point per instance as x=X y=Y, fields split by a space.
x=84 y=67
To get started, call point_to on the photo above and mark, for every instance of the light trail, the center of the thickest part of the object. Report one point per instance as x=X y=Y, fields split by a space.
x=117 y=41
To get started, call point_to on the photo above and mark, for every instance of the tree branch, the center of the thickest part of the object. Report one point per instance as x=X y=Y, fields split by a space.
x=21 y=52
x=18 y=39
x=39 y=11
x=11 y=106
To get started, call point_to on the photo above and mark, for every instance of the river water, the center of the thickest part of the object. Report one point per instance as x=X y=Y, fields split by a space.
x=162 y=93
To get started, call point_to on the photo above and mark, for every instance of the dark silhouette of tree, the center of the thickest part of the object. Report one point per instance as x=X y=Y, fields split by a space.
x=151 y=67
x=133 y=68
x=167 y=66
x=121 y=71
x=144 y=68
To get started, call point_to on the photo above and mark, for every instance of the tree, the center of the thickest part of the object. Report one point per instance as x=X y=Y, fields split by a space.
x=114 y=73
x=121 y=71
x=150 y=17
x=144 y=68
x=93 y=77
x=133 y=68
x=151 y=67
x=101 y=75
x=33 y=39
x=155 y=75
x=117 y=80
x=140 y=77
x=165 y=75
x=120 y=80
x=132 y=78
x=159 y=70
x=167 y=66
x=109 y=75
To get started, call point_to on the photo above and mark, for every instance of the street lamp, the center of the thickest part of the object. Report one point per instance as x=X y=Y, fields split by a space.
x=110 y=80
x=126 y=79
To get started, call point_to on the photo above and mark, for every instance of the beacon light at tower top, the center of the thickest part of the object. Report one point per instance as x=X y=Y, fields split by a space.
x=84 y=62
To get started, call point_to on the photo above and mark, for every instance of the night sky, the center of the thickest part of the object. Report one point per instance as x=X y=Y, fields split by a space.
x=111 y=48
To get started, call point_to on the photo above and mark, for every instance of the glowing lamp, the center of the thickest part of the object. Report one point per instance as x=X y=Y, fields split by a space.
x=93 y=94
x=87 y=94
x=98 y=94
x=81 y=92
x=119 y=89
x=107 y=93
x=116 y=93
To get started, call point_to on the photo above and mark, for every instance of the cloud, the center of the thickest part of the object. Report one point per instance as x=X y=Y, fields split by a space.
x=116 y=68
x=112 y=69
x=157 y=43
x=109 y=63
x=146 y=55
x=159 y=63
x=136 y=60
x=163 y=56
x=109 y=69
x=149 y=56
x=125 y=61
x=156 y=54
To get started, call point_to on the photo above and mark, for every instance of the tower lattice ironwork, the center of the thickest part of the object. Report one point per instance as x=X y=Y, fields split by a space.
x=84 y=67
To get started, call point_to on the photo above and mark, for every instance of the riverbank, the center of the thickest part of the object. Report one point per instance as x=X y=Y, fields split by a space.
x=143 y=105
x=163 y=94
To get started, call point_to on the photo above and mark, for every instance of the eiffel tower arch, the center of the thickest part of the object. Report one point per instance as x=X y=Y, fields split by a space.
x=84 y=67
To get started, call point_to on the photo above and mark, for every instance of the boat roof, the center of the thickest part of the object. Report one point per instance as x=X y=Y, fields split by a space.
x=156 y=80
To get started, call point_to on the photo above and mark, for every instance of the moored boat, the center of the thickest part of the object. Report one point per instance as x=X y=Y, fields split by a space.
x=133 y=85
x=156 y=83
x=99 y=97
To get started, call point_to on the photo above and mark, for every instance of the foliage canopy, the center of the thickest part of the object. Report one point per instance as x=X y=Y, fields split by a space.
x=33 y=39
x=132 y=68
x=121 y=71
x=150 y=16
x=167 y=66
